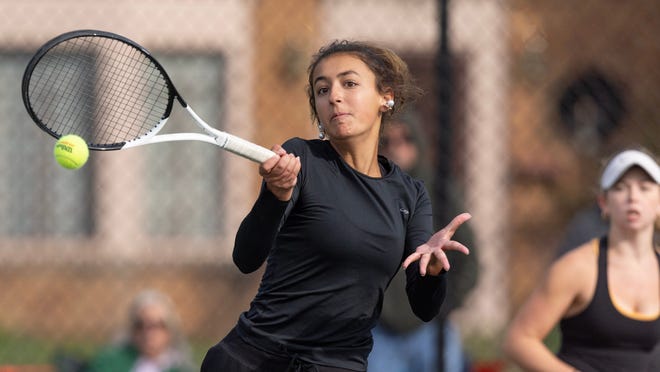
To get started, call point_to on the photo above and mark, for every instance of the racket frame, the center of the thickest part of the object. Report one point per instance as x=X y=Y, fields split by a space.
x=215 y=136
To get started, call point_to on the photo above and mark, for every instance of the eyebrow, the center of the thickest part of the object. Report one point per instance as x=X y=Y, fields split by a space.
x=341 y=74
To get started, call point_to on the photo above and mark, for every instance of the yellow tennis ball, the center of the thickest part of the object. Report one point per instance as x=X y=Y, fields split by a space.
x=71 y=151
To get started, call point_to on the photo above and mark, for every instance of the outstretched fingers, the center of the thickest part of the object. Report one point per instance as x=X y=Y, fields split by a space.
x=428 y=258
x=431 y=255
x=455 y=223
x=453 y=245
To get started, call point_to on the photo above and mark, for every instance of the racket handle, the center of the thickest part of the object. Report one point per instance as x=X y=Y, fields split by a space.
x=245 y=148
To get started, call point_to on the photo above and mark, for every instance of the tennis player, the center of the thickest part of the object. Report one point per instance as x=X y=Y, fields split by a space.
x=605 y=294
x=334 y=222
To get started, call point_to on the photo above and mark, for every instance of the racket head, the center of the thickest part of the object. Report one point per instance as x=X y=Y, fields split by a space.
x=101 y=86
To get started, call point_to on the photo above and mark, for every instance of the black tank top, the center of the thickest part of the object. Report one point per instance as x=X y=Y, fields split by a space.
x=602 y=338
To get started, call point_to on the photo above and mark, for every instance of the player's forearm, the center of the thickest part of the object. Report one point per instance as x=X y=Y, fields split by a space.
x=531 y=354
x=257 y=232
x=426 y=294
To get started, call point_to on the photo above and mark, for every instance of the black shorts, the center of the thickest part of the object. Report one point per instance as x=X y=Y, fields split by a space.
x=232 y=354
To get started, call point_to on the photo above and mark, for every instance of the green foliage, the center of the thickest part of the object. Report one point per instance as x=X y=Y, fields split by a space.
x=487 y=351
x=17 y=349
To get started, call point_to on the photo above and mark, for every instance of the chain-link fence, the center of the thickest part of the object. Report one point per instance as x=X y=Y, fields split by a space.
x=524 y=99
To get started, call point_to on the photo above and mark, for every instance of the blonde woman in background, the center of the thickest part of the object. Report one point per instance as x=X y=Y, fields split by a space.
x=152 y=342
x=605 y=294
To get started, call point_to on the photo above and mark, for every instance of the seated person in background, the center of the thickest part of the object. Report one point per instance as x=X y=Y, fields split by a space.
x=152 y=342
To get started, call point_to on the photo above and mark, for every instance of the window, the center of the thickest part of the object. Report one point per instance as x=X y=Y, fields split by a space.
x=181 y=183
x=36 y=196
x=184 y=179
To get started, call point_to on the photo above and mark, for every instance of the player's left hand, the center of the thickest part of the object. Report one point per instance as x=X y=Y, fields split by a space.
x=431 y=255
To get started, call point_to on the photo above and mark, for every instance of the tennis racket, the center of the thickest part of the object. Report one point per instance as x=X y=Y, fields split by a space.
x=113 y=93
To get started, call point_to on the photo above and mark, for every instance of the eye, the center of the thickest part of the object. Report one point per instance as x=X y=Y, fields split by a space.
x=350 y=84
x=321 y=91
x=647 y=185
x=618 y=186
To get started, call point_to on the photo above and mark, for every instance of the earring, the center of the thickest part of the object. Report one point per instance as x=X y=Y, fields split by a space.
x=390 y=104
x=321 y=132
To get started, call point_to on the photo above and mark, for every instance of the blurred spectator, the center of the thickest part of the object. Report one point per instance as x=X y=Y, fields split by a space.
x=402 y=342
x=603 y=294
x=152 y=341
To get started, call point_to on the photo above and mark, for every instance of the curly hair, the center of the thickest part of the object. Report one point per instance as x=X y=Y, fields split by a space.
x=390 y=70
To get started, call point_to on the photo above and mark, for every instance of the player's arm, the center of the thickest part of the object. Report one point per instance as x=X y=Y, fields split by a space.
x=425 y=293
x=549 y=302
x=258 y=231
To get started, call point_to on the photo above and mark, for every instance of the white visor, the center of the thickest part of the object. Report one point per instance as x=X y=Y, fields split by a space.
x=622 y=162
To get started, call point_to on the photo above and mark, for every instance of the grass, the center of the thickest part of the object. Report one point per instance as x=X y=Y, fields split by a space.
x=487 y=350
x=17 y=349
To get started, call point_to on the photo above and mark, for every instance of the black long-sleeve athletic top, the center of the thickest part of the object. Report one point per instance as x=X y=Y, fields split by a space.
x=331 y=251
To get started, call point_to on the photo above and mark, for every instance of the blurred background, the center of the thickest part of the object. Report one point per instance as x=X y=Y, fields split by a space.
x=524 y=100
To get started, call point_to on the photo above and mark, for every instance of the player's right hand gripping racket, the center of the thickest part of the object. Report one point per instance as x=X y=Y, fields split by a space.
x=113 y=93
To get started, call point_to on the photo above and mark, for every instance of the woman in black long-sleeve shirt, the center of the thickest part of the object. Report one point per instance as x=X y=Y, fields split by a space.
x=335 y=222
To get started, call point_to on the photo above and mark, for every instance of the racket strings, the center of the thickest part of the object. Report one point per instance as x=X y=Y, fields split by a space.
x=123 y=74
x=53 y=104
x=103 y=89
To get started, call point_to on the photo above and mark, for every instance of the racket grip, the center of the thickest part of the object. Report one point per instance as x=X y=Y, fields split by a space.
x=246 y=149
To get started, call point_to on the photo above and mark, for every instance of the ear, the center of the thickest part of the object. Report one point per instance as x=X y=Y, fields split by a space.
x=602 y=203
x=388 y=95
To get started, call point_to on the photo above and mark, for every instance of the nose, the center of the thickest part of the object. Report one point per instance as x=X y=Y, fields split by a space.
x=634 y=192
x=335 y=95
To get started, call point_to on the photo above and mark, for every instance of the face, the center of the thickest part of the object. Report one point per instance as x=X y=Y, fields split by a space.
x=346 y=98
x=150 y=332
x=633 y=203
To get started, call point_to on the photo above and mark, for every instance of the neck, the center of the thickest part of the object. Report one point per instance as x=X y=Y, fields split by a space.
x=635 y=243
x=363 y=157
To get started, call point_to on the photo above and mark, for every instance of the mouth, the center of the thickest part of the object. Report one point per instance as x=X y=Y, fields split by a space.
x=632 y=214
x=338 y=115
